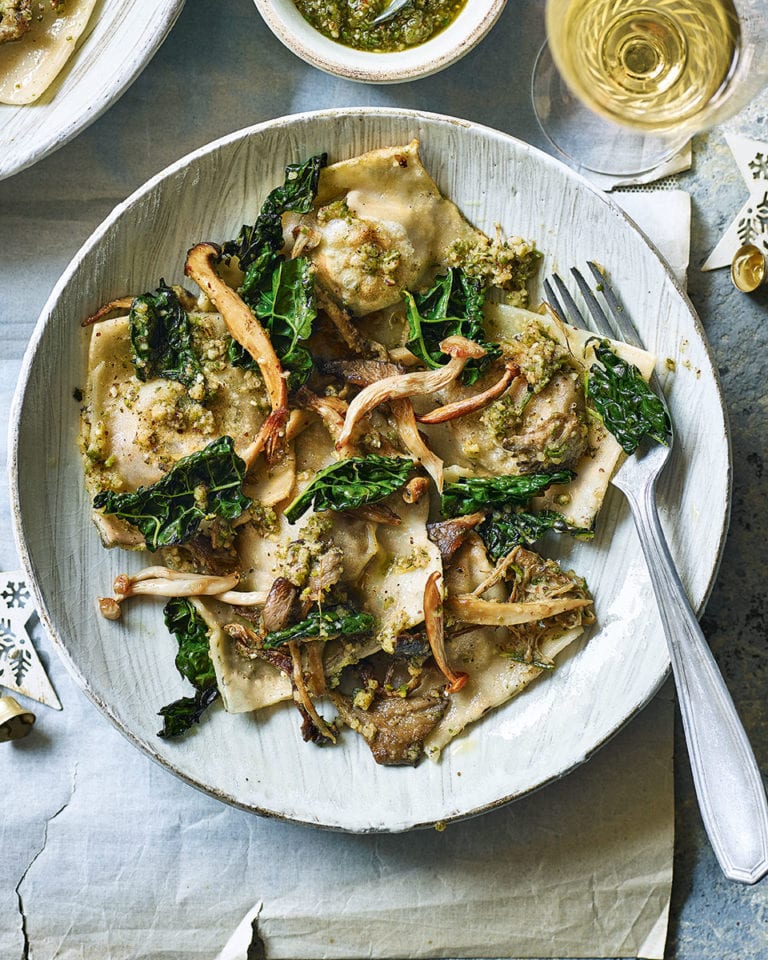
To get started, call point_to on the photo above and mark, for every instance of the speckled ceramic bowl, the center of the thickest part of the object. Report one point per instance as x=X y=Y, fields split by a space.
x=467 y=30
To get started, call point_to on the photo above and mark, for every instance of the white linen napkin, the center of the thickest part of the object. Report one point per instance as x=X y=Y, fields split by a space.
x=677 y=164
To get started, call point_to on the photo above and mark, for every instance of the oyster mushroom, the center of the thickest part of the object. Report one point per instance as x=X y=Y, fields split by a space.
x=460 y=408
x=249 y=333
x=435 y=628
x=404 y=385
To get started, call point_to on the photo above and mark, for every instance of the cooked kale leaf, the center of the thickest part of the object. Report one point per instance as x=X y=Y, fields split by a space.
x=351 y=483
x=297 y=193
x=207 y=483
x=161 y=342
x=179 y=716
x=279 y=292
x=627 y=405
x=238 y=356
x=468 y=494
x=193 y=661
x=453 y=306
x=504 y=530
x=284 y=301
x=325 y=624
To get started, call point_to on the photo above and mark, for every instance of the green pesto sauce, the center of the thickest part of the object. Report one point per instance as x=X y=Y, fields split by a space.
x=351 y=22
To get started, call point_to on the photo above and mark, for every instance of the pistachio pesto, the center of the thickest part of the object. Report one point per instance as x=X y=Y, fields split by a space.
x=350 y=22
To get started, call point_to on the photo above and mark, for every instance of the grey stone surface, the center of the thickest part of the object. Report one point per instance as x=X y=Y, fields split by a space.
x=710 y=916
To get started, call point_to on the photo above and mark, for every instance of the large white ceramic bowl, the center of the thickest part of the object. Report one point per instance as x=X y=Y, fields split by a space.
x=448 y=46
x=119 y=41
x=261 y=763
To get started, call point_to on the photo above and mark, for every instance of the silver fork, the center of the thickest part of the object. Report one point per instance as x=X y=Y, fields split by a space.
x=728 y=783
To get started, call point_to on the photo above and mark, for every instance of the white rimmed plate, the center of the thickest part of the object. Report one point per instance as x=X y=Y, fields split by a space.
x=119 y=41
x=260 y=763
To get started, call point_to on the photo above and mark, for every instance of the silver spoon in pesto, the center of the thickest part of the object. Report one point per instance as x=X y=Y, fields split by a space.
x=395 y=6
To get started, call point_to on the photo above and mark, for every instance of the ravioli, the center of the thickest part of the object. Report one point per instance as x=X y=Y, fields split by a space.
x=30 y=64
x=132 y=431
x=379 y=226
x=245 y=685
x=474 y=446
x=494 y=678
x=394 y=579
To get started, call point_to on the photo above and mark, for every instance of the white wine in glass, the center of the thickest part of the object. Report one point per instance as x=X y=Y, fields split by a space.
x=662 y=68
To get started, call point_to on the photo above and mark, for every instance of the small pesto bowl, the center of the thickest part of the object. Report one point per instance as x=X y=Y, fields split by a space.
x=448 y=46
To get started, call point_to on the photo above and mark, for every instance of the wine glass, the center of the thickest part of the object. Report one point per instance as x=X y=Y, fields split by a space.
x=622 y=85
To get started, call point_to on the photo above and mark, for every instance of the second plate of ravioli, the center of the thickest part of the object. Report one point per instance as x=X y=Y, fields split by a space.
x=262 y=764
x=113 y=42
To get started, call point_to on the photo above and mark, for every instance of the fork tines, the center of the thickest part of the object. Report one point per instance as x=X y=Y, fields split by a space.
x=601 y=323
x=615 y=323
x=623 y=325
x=567 y=308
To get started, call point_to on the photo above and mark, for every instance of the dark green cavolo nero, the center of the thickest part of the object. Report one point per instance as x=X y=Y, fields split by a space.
x=297 y=194
x=351 y=483
x=453 y=306
x=161 y=342
x=280 y=292
x=203 y=485
x=193 y=661
x=339 y=621
x=502 y=531
x=283 y=299
x=469 y=494
x=628 y=407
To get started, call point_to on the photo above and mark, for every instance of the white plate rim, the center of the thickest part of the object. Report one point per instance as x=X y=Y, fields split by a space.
x=14 y=452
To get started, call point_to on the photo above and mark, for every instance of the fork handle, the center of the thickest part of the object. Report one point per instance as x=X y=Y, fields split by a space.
x=728 y=783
